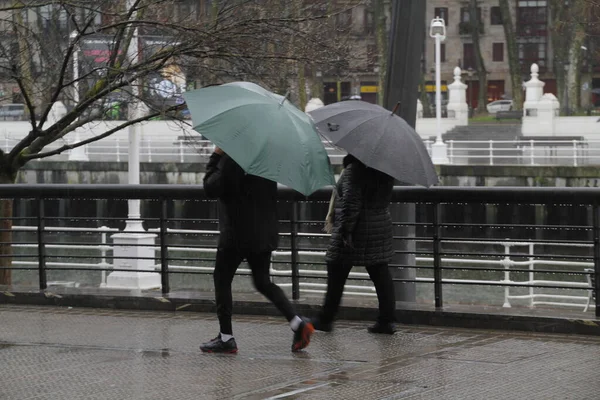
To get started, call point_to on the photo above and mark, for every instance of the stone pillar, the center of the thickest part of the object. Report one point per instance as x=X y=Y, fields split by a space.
x=548 y=109
x=457 y=100
x=534 y=90
x=133 y=252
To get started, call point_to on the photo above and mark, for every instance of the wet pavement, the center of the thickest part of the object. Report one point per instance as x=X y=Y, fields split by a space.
x=71 y=353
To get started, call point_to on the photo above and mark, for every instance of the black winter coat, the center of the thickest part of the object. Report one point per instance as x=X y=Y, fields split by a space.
x=362 y=217
x=247 y=206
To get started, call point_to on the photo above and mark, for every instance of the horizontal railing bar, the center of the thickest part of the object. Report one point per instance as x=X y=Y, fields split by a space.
x=404 y=194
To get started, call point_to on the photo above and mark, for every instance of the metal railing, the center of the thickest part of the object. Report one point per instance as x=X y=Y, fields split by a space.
x=574 y=152
x=448 y=252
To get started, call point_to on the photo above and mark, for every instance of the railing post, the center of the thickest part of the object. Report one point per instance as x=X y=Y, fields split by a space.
x=164 y=256
x=596 y=225
x=103 y=229
x=149 y=149
x=181 y=151
x=506 y=262
x=532 y=156
x=437 y=262
x=41 y=246
x=294 y=251
x=451 y=151
x=531 y=272
x=118 y=150
x=491 y=152
x=574 y=153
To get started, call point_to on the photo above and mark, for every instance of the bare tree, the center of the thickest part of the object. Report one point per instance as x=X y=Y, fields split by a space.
x=571 y=23
x=126 y=51
x=516 y=75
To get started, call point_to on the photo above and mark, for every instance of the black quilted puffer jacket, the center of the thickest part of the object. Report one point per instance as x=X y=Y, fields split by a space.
x=362 y=226
x=247 y=206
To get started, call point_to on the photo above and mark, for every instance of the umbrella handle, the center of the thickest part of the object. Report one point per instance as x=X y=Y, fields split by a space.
x=396 y=107
x=284 y=98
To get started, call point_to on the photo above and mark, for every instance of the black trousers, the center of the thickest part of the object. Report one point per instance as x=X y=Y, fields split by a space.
x=337 y=274
x=227 y=263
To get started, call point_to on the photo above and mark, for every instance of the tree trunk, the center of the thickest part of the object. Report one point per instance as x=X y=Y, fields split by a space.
x=301 y=87
x=6 y=213
x=479 y=63
x=581 y=12
x=560 y=37
x=382 y=45
x=516 y=76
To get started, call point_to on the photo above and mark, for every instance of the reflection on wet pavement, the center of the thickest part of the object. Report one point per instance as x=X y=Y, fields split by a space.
x=60 y=353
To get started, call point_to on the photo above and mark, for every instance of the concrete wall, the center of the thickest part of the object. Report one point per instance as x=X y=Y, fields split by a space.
x=534 y=176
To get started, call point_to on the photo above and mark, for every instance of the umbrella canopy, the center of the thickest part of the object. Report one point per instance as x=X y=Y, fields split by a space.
x=263 y=132
x=378 y=138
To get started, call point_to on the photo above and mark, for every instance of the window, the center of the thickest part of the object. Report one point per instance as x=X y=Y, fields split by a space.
x=369 y=22
x=496 y=16
x=468 y=56
x=441 y=12
x=344 y=20
x=532 y=52
x=465 y=26
x=498 y=52
x=465 y=15
x=186 y=10
x=532 y=33
x=443 y=52
x=532 y=18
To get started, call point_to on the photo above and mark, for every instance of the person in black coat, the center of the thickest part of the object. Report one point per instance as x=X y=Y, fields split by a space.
x=248 y=227
x=361 y=236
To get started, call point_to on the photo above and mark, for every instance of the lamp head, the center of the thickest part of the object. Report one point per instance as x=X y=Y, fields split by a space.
x=437 y=28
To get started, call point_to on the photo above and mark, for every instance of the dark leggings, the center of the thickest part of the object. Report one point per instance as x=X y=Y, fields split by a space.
x=227 y=263
x=337 y=274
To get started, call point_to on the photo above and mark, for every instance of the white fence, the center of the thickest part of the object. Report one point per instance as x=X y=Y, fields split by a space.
x=507 y=260
x=574 y=152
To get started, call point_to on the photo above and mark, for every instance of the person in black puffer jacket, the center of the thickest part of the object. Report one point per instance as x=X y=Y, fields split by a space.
x=248 y=227
x=361 y=236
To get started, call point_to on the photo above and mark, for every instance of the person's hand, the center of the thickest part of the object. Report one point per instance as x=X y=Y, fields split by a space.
x=219 y=151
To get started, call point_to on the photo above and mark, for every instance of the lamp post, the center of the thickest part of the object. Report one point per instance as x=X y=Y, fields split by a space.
x=133 y=176
x=439 y=150
x=134 y=248
x=78 y=153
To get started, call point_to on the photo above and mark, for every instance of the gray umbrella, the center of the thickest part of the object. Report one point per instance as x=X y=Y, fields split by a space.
x=378 y=138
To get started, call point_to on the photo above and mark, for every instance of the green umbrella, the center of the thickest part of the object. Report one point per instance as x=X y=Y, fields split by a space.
x=263 y=132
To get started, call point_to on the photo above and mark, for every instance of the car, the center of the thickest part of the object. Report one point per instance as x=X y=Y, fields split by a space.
x=12 y=112
x=499 y=105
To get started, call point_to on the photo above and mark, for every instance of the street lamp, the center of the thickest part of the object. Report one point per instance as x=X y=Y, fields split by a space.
x=134 y=248
x=439 y=150
x=78 y=153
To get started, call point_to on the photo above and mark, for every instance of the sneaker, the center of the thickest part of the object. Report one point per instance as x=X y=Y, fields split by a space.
x=216 y=345
x=302 y=335
x=321 y=326
x=386 y=328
